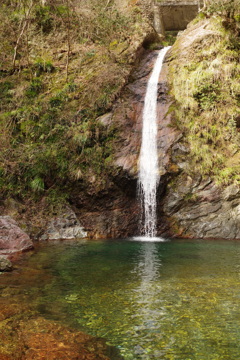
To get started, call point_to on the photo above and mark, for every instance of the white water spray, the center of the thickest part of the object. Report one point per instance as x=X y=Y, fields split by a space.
x=148 y=177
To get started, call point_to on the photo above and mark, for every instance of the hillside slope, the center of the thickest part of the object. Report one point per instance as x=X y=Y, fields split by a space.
x=62 y=65
x=73 y=79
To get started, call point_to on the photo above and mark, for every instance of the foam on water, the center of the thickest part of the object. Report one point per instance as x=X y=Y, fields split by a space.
x=148 y=239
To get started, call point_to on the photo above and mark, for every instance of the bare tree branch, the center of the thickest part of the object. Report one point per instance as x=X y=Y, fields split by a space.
x=23 y=25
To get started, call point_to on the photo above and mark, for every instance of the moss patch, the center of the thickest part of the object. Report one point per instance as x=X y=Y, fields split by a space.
x=204 y=76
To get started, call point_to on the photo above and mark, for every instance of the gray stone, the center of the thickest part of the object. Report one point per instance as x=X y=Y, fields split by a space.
x=172 y=203
x=202 y=210
x=179 y=150
x=204 y=183
x=5 y=264
x=231 y=192
x=105 y=119
x=65 y=226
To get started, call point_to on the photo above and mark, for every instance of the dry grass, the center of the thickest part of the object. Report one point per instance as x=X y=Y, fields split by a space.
x=72 y=63
x=207 y=91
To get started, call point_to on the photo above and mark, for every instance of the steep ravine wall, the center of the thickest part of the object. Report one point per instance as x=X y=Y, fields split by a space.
x=190 y=203
x=203 y=200
x=55 y=155
x=116 y=212
x=196 y=207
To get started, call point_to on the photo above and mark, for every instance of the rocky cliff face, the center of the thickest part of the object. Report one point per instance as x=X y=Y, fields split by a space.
x=191 y=203
x=91 y=157
x=203 y=199
x=54 y=150
x=196 y=207
x=116 y=211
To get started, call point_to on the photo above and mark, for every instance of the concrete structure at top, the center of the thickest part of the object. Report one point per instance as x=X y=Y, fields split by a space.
x=174 y=15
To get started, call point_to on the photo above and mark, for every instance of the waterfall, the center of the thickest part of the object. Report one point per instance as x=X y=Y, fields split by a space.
x=148 y=176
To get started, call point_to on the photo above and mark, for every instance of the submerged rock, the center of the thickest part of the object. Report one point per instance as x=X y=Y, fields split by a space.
x=12 y=238
x=28 y=336
x=43 y=339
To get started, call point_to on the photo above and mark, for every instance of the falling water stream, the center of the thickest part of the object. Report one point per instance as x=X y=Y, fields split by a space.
x=148 y=177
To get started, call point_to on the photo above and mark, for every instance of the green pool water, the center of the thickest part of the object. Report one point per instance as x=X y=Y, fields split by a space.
x=176 y=300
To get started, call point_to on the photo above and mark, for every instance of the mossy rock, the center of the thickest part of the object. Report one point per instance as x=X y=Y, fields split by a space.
x=5 y=264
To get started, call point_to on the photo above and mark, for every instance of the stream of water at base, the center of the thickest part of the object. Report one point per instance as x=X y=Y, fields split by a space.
x=177 y=299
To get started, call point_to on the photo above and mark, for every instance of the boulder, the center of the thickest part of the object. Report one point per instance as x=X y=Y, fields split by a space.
x=64 y=226
x=12 y=238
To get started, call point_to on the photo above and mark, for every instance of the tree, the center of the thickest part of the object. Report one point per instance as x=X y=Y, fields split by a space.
x=23 y=27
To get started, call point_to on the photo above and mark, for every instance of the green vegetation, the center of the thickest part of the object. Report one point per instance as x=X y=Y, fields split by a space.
x=205 y=75
x=62 y=64
x=170 y=38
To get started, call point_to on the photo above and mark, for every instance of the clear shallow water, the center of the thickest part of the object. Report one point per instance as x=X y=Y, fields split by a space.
x=176 y=300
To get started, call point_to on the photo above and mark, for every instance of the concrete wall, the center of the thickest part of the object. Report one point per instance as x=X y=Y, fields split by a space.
x=174 y=15
x=177 y=17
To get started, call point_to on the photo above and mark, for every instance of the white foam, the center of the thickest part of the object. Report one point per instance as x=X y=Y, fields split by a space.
x=148 y=176
x=148 y=239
